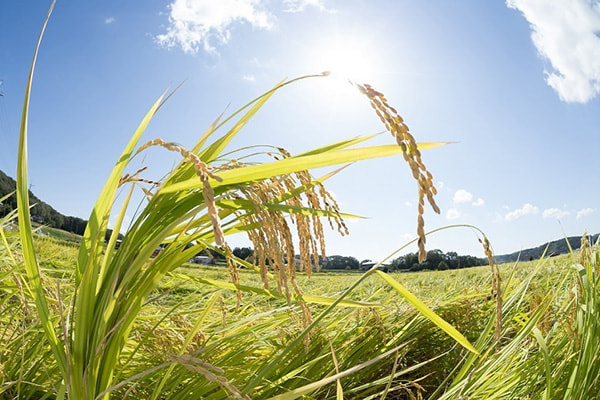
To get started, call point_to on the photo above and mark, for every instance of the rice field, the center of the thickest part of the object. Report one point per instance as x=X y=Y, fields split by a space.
x=127 y=317
x=191 y=337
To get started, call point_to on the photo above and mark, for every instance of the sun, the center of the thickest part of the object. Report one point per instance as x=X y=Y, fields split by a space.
x=348 y=58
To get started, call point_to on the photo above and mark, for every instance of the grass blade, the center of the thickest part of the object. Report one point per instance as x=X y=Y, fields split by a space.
x=25 y=229
x=306 y=389
x=308 y=298
x=427 y=312
x=295 y=164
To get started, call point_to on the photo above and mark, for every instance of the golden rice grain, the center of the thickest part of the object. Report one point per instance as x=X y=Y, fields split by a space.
x=496 y=287
x=410 y=151
x=204 y=173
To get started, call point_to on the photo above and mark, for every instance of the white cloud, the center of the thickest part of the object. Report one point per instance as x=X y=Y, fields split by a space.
x=109 y=20
x=555 y=213
x=527 y=209
x=479 y=202
x=441 y=184
x=294 y=6
x=452 y=213
x=407 y=203
x=249 y=78
x=462 y=196
x=585 y=212
x=195 y=24
x=565 y=33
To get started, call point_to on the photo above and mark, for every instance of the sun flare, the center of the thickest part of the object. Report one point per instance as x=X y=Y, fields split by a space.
x=346 y=58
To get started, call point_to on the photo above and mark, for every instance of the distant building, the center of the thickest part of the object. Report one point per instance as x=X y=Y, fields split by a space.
x=204 y=260
x=158 y=250
x=368 y=265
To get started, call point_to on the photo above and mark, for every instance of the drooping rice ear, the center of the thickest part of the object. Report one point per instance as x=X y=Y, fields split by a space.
x=204 y=172
x=410 y=151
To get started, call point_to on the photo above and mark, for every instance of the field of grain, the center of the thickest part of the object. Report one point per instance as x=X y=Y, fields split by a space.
x=192 y=338
x=123 y=315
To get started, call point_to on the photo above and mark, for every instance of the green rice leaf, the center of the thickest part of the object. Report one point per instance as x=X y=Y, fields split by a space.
x=93 y=236
x=295 y=164
x=213 y=151
x=311 y=387
x=236 y=204
x=427 y=312
x=273 y=293
x=25 y=229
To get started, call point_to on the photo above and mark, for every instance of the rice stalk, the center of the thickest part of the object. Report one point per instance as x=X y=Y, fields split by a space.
x=395 y=125
x=180 y=218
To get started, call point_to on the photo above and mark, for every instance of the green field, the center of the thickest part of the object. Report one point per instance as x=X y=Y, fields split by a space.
x=120 y=314
x=205 y=344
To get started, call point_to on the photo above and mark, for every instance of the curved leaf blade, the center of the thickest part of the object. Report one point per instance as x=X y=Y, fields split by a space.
x=295 y=164
x=427 y=312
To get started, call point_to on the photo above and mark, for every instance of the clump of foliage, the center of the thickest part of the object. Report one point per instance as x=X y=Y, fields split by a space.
x=436 y=260
x=206 y=197
x=127 y=321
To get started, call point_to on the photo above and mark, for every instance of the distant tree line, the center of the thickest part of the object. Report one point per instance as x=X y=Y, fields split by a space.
x=339 y=262
x=436 y=260
x=41 y=212
x=244 y=253
x=329 y=262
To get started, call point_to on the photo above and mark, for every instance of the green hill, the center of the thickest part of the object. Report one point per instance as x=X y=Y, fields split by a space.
x=41 y=212
x=555 y=247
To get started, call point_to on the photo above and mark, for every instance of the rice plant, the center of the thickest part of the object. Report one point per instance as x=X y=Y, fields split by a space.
x=549 y=348
x=130 y=319
x=88 y=325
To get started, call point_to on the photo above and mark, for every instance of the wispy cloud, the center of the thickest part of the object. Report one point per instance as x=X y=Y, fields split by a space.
x=452 y=213
x=565 y=33
x=479 y=202
x=109 y=20
x=249 y=78
x=294 y=6
x=527 y=209
x=196 y=24
x=555 y=213
x=584 y=212
x=462 y=196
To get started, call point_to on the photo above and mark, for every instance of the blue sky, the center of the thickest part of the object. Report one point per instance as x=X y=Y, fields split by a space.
x=515 y=83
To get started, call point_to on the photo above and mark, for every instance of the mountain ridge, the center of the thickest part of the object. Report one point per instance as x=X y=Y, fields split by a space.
x=552 y=248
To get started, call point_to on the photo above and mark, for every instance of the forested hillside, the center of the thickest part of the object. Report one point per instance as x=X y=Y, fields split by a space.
x=555 y=247
x=41 y=212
